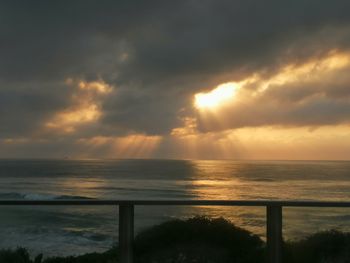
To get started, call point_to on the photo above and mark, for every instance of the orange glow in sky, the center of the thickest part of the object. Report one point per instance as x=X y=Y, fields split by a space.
x=216 y=97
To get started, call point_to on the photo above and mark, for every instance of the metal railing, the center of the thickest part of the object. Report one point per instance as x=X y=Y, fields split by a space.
x=126 y=217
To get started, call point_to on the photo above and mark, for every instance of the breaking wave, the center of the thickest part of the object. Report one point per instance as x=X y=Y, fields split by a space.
x=35 y=196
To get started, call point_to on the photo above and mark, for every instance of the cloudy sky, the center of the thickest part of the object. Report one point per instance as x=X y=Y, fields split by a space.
x=198 y=79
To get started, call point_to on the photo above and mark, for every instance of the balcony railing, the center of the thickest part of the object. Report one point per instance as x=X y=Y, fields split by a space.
x=126 y=217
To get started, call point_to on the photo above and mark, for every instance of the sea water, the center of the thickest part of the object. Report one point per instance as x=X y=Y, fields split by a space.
x=72 y=230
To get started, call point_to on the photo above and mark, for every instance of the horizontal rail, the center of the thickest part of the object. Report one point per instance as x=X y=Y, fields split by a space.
x=126 y=216
x=284 y=203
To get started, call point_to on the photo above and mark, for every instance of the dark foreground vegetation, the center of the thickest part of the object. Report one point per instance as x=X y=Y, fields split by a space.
x=204 y=240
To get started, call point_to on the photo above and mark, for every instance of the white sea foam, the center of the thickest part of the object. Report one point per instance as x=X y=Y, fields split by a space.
x=37 y=196
x=87 y=228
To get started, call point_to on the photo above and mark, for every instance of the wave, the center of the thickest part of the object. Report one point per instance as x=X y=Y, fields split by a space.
x=36 y=196
x=55 y=241
x=88 y=234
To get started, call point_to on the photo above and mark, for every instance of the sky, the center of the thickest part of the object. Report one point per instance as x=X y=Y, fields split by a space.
x=195 y=79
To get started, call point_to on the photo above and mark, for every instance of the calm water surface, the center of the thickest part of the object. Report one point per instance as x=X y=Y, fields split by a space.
x=76 y=230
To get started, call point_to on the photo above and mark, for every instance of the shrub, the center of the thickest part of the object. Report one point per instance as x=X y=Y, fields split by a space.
x=205 y=240
x=198 y=239
x=323 y=247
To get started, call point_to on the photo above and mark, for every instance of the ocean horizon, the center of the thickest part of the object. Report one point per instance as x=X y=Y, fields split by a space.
x=76 y=230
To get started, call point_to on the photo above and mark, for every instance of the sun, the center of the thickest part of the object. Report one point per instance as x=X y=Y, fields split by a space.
x=216 y=97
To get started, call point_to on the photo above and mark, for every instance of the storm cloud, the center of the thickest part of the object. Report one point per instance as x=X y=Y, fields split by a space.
x=156 y=55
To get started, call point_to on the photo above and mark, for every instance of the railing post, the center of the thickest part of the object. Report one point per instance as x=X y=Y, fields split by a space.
x=274 y=233
x=126 y=233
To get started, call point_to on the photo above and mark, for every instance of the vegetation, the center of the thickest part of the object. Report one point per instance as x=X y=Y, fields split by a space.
x=205 y=240
x=324 y=247
x=198 y=239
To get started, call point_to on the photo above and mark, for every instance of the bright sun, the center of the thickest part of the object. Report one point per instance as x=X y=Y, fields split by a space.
x=217 y=96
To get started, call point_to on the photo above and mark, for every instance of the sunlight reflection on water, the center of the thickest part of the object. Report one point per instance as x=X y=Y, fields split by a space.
x=82 y=229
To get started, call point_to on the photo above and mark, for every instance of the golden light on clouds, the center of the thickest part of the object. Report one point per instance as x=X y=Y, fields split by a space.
x=84 y=108
x=15 y=141
x=68 y=120
x=256 y=136
x=235 y=120
x=189 y=127
x=216 y=97
x=100 y=87
x=310 y=71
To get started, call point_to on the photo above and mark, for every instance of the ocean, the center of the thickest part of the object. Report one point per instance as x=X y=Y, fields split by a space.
x=72 y=230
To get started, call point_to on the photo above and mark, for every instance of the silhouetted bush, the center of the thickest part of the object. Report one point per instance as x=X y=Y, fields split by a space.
x=323 y=247
x=198 y=239
x=204 y=240
x=20 y=255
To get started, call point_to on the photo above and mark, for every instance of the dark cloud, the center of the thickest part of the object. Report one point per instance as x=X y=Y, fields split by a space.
x=157 y=54
x=24 y=106
x=153 y=111
x=321 y=97
x=316 y=112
